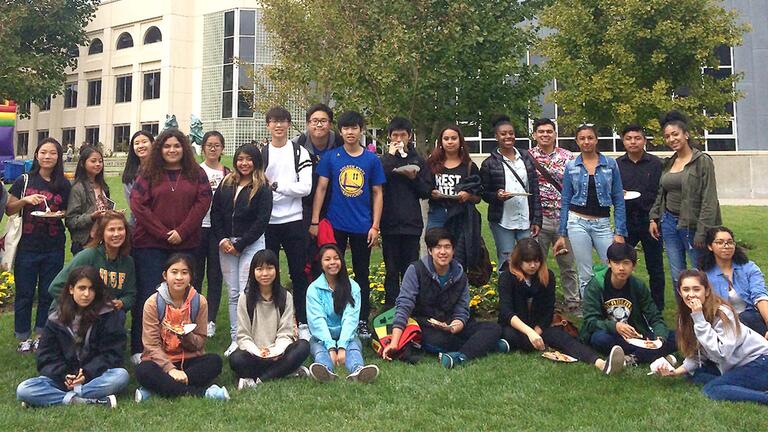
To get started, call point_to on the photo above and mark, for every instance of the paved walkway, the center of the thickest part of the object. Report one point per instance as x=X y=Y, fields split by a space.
x=744 y=202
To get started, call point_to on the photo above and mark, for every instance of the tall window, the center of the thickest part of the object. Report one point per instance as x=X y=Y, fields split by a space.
x=45 y=105
x=152 y=85
x=67 y=136
x=25 y=107
x=92 y=135
x=94 y=92
x=22 y=143
x=70 y=95
x=123 y=88
x=41 y=135
x=723 y=138
x=228 y=70
x=96 y=47
x=122 y=137
x=152 y=35
x=151 y=127
x=124 y=41
x=238 y=85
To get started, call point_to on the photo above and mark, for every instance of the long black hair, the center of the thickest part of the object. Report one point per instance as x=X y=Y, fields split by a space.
x=264 y=257
x=81 y=175
x=708 y=261
x=57 y=175
x=67 y=307
x=180 y=257
x=132 y=163
x=342 y=294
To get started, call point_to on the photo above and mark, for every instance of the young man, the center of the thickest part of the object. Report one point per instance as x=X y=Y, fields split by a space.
x=401 y=221
x=355 y=178
x=641 y=172
x=435 y=292
x=289 y=170
x=618 y=310
x=550 y=163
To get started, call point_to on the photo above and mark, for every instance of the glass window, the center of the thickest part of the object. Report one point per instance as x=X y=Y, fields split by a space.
x=152 y=85
x=247 y=22
x=723 y=53
x=227 y=78
x=724 y=144
x=244 y=100
x=122 y=137
x=42 y=134
x=70 y=95
x=94 y=92
x=123 y=88
x=226 y=104
x=45 y=105
x=25 y=107
x=22 y=143
x=151 y=127
x=247 y=48
x=96 y=47
x=229 y=50
x=245 y=79
x=229 y=23
x=124 y=41
x=152 y=35
x=92 y=135
x=67 y=136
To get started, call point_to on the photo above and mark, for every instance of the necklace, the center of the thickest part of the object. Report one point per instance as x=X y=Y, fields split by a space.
x=174 y=185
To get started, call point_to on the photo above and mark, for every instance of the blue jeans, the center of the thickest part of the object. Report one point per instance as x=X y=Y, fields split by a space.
x=34 y=271
x=436 y=217
x=584 y=235
x=234 y=270
x=678 y=243
x=744 y=383
x=752 y=319
x=505 y=240
x=354 y=354
x=43 y=391
x=603 y=341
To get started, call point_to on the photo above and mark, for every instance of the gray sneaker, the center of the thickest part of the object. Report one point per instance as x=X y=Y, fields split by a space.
x=321 y=373
x=301 y=372
x=364 y=374
x=615 y=361
x=109 y=401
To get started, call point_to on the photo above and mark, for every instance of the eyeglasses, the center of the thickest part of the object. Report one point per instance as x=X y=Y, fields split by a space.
x=318 y=122
x=725 y=243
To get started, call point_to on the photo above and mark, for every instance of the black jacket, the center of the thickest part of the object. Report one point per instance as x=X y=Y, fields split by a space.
x=513 y=300
x=102 y=347
x=247 y=219
x=492 y=174
x=465 y=223
x=402 y=210
x=334 y=140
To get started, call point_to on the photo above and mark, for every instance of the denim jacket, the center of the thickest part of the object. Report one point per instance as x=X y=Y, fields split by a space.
x=331 y=329
x=609 y=191
x=748 y=282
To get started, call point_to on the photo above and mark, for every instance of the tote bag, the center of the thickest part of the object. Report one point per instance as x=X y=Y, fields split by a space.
x=12 y=235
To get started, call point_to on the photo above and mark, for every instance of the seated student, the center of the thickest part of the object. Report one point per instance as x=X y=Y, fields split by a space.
x=333 y=308
x=174 y=362
x=735 y=278
x=435 y=292
x=709 y=330
x=80 y=358
x=618 y=306
x=526 y=307
x=267 y=346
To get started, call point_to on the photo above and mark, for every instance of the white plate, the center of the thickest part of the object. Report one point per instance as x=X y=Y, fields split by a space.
x=410 y=167
x=558 y=357
x=189 y=328
x=630 y=195
x=42 y=214
x=644 y=343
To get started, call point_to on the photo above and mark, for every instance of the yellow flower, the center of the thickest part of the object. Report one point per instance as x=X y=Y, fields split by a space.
x=490 y=292
x=473 y=303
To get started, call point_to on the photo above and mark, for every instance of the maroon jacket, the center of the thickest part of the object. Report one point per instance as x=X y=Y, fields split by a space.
x=174 y=202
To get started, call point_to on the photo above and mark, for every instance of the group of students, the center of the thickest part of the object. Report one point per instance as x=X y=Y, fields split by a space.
x=318 y=194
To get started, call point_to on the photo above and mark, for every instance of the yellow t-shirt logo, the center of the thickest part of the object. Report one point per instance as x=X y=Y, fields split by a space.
x=351 y=181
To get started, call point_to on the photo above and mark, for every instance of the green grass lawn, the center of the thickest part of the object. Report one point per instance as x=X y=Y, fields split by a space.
x=510 y=391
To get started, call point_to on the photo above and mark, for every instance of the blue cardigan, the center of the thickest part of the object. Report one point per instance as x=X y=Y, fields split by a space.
x=331 y=329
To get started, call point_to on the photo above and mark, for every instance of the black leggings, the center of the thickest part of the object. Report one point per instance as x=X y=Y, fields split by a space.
x=476 y=340
x=247 y=365
x=554 y=337
x=201 y=371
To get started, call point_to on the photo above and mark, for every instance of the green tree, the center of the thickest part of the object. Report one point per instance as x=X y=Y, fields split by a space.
x=628 y=61
x=433 y=61
x=36 y=42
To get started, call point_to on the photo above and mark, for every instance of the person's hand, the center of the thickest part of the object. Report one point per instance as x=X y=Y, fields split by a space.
x=334 y=355
x=117 y=304
x=666 y=371
x=535 y=230
x=694 y=304
x=411 y=173
x=618 y=239
x=766 y=335
x=373 y=237
x=226 y=247
x=538 y=330
x=503 y=195
x=456 y=326
x=263 y=352
x=97 y=214
x=34 y=199
x=174 y=237
x=464 y=196
x=435 y=194
x=179 y=376
x=388 y=350
x=653 y=230
x=313 y=230
x=559 y=247
x=341 y=356
x=627 y=331
x=79 y=379
x=536 y=341
x=395 y=146
x=699 y=244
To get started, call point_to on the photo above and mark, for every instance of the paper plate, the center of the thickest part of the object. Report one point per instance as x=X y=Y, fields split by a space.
x=644 y=343
x=42 y=214
x=558 y=357
x=630 y=195
x=189 y=328
x=410 y=167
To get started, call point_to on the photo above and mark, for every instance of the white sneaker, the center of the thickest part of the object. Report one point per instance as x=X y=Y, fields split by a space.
x=211 y=329
x=304 y=332
x=232 y=347
x=364 y=374
x=141 y=395
x=614 y=364
x=136 y=359
x=247 y=383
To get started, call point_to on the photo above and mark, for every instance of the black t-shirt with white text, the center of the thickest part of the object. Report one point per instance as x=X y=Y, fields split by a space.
x=617 y=304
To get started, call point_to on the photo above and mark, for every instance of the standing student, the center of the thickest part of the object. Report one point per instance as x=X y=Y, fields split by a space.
x=641 y=172
x=709 y=330
x=174 y=362
x=511 y=189
x=169 y=200
x=40 y=252
x=591 y=186
x=333 y=308
x=550 y=161
x=208 y=250
x=239 y=218
x=80 y=357
x=138 y=155
x=687 y=205
x=289 y=172
x=355 y=177
x=401 y=220
x=527 y=305
x=735 y=278
x=267 y=344
x=89 y=198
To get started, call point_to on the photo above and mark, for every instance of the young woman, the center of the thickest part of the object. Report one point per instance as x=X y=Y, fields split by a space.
x=169 y=200
x=109 y=251
x=89 y=198
x=591 y=186
x=174 y=362
x=687 y=205
x=507 y=176
x=80 y=357
x=333 y=306
x=526 y=307
x=239 y=217
x=267 y=342
x=735 y=278
x=208 y=251
x=40 y=253
x=138 y=155
x=708 y=328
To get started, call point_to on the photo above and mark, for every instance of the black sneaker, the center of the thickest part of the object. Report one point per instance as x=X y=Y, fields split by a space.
x=362 y=330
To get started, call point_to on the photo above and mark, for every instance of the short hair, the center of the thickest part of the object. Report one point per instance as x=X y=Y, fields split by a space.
x=434 y=235
x=622 y=251
x=277 y=113
x=500 y=120
x=351 y=118
x=399 y=123
x=543 y=121
x=632 y=128
x=320 y=107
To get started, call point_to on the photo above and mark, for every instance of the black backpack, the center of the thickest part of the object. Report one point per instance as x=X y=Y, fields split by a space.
x=297 y=164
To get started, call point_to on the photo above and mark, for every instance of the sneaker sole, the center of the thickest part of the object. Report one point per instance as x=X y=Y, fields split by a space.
x=322 y=374
x=367 y=374
x=450 y=361
x=615 y=362
x=112 y=401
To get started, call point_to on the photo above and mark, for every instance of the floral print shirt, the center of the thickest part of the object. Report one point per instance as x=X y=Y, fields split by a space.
x=554 y=163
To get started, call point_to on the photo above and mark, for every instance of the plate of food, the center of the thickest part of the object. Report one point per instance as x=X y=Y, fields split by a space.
x=645 y=343
x=630 y=195
x=410 y=167
x=180 y=329
x=48 y=214
x=558 y=357
x=517 y=194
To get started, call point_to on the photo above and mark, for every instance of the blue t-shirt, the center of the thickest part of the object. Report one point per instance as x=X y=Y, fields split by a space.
x=351 y=179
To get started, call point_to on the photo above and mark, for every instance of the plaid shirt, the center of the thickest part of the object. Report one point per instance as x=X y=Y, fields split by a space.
x=554 y=163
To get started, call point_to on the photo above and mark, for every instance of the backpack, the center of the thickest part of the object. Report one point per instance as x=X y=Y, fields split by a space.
x=410 y=341
x=194 y=307
x=297 y=164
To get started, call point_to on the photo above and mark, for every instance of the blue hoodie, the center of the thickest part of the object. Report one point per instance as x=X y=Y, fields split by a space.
x=333 y=330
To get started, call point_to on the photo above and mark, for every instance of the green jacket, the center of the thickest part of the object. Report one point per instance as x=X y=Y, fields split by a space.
x=119 y=275
x=645 y=317
x=699 y=209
